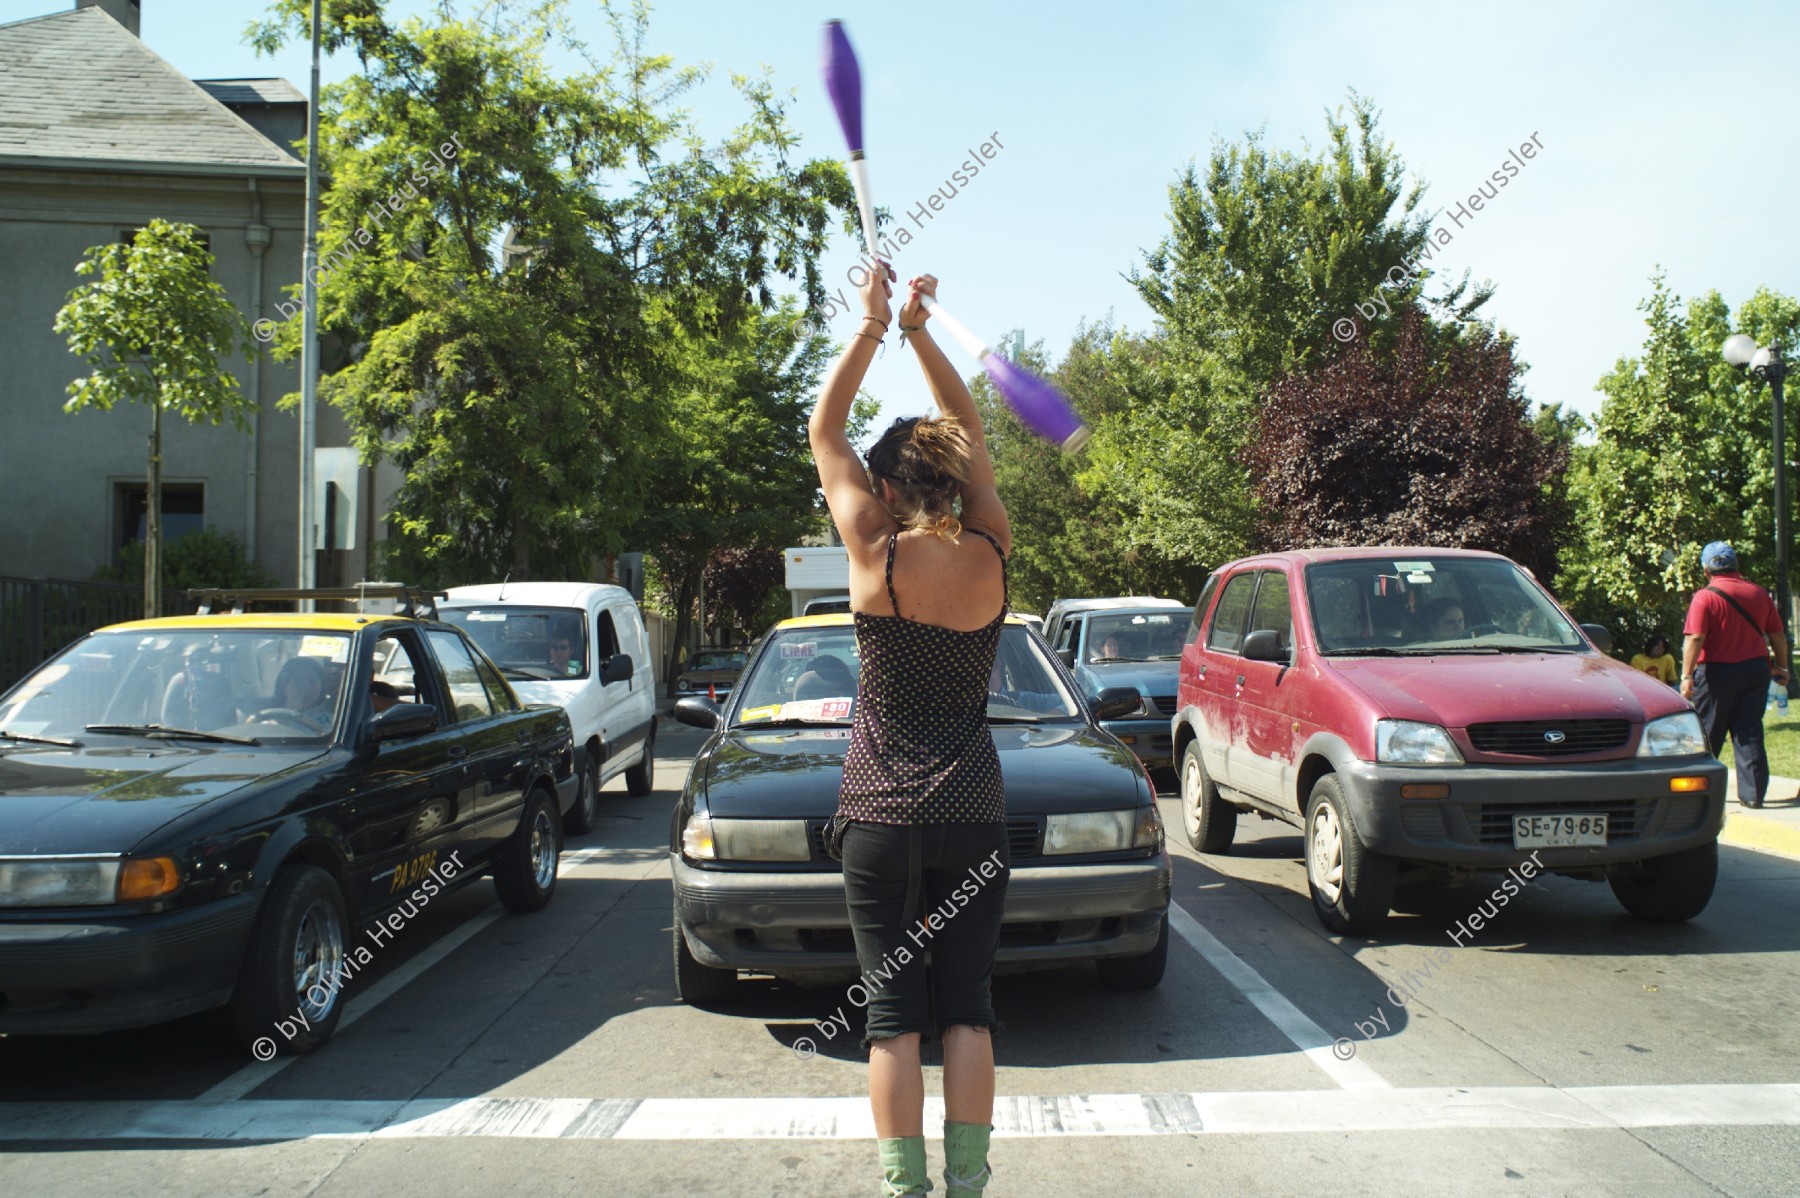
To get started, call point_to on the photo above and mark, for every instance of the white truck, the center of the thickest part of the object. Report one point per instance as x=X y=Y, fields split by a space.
x=818 y=578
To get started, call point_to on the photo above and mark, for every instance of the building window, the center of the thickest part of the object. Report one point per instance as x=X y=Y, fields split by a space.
x=183 y=511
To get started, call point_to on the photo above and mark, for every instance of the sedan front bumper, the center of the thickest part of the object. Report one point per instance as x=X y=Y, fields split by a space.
x=797 y=925
x=99 y=974
x=1473 y=827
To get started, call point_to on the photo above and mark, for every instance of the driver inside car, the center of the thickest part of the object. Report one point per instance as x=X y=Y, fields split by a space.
x=300 y=691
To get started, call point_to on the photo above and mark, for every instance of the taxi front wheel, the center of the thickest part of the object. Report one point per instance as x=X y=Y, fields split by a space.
x=525 y=873
x=290 y=990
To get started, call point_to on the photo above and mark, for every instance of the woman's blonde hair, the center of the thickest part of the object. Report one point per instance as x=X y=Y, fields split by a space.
x=926 y=459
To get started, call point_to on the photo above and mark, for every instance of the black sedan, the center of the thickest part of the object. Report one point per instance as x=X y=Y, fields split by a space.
x=244 y=810
x=755 y=891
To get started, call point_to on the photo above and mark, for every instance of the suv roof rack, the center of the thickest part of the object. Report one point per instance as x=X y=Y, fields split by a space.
x=419 y=603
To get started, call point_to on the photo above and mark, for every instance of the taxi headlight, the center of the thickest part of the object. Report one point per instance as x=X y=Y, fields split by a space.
x=762 y=840
x=1102 y=831
x=85 y=882
x=697 y=840
x=1408 y=742
x=1677 y=735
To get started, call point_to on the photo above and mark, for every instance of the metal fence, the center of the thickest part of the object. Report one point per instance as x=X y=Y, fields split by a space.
x=41 y=616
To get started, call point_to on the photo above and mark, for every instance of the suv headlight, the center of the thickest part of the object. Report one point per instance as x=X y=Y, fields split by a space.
x=1677 y=735
x=708 y=839
x=1408 y=742
x=1103 y=831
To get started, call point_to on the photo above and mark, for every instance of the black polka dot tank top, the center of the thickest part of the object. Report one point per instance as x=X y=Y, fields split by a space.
x=920 y=752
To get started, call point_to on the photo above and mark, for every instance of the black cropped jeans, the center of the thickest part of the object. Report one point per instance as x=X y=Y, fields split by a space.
x=929 y=894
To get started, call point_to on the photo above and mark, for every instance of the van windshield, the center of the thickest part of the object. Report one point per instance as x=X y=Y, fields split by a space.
x=1425 y=604
x=530 y=642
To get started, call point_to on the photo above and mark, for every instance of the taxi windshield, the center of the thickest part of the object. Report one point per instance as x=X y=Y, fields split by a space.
x=261 y=685
x=809 y=675
x=1433 y=605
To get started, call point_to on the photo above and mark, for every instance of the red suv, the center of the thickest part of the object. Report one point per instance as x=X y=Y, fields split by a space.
x=1434 y=713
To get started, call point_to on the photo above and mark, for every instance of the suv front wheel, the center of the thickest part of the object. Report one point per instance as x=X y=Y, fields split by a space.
x=1352 y=886
x=1669 y=889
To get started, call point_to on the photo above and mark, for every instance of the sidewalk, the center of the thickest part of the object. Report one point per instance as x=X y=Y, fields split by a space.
x=1773 y=829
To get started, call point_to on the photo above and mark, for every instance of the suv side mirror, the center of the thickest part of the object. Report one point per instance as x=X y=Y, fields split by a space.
x=404 y=720
x=1264 y=645
x=1116 y=702
x=616 y=669
x=1066 y=655
x=1599 y=635
x=697 y=711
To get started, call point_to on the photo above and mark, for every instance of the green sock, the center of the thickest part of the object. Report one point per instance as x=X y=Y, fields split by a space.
x=903 y=1167
x=966 y=1171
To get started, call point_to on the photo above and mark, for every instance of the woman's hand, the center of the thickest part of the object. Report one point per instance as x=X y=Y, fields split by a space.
x=913 y=313
x=877 y=290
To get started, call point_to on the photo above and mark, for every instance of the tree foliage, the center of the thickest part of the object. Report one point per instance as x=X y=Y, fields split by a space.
x=1682 y=455
x=745 y=587
x=536 y=410
x=1067 y=533
x=152 y=328
x=1410 y=446
x=1266 y=251
x=202 y=558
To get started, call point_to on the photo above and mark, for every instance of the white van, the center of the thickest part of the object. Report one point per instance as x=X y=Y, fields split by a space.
x=582 y=647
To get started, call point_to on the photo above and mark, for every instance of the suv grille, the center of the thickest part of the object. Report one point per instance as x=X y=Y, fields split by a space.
x=1165 y=704
x=1022 y=837
x=1538 y=738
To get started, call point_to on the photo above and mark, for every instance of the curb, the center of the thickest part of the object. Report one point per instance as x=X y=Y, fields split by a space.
x=1746 y=831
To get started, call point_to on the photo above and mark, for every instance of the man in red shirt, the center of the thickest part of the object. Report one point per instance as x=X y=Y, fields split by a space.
x=1732 y=629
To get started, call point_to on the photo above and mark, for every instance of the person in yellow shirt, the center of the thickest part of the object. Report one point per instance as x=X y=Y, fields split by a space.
x=1656 y=660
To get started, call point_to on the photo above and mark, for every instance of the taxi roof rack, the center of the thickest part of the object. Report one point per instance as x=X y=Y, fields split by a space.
x=418 y=603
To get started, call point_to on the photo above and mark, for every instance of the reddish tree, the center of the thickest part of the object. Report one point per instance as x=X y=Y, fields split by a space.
x=1429 y=443
x=742 y=586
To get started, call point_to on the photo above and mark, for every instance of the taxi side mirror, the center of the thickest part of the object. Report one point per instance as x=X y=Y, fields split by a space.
x=404 y=720
x=1116 y=702
x=697 y=711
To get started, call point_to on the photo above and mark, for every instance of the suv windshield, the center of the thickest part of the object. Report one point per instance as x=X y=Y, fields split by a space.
x=531 y=642
x=263 y=685
x=1425 y=604
x=1138 y=636
x=808 y=675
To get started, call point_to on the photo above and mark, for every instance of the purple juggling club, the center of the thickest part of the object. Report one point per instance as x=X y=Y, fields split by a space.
x=843 y=80
x=1040 y=406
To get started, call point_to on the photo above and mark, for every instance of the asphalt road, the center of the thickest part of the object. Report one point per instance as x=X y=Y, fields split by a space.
x=1565 y=1049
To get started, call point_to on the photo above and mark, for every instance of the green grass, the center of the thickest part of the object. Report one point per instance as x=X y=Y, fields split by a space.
x=1781 y=738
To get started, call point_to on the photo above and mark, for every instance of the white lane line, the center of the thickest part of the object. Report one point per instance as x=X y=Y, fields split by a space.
x=579 y=857
x=1307 y=1036
x=257 y=1072
x=1255 y=1112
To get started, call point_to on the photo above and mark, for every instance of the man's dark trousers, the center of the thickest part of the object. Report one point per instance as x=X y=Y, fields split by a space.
x=1729 y=697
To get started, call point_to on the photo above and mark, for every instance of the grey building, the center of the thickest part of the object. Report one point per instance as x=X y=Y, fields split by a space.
x=98 y=135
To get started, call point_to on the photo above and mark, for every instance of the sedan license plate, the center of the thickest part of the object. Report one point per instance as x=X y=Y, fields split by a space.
x=1558 y=831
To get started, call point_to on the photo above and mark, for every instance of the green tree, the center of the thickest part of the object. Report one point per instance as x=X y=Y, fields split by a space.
x=530 y=408
x=204 y=558
x=152 y=329
x=1068 y=536
x=1268 y=253
x=1682 y=455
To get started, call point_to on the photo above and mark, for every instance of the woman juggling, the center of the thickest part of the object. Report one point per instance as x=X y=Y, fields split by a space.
x=921 y=801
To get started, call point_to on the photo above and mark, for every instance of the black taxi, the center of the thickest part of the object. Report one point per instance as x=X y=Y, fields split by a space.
x=240 y=809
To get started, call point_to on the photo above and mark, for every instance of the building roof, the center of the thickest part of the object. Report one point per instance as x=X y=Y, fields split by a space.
x=251 y=91
x=81 y=91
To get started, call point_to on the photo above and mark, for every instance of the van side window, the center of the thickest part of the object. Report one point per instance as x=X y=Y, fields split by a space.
x=608 y=636
x=1226 y=632
x=1200 y=605
x=1273 y=609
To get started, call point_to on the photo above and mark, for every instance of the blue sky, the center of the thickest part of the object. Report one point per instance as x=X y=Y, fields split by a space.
x=1666 y=132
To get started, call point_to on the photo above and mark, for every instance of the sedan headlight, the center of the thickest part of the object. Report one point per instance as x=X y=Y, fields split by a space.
x=85 y=882
x=1409 y=742
x=708 y=839
x=1677 y=735
x=1102 y=831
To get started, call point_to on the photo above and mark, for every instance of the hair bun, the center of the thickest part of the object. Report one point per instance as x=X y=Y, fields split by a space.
x=943 y=446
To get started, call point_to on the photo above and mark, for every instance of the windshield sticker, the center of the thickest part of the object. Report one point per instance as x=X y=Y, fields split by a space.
x=1414 y=567
x=486 y=617
x=791 y=649
x=761 y=713
x=333 y=648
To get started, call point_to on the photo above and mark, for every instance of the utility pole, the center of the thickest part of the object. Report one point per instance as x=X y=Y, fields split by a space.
x=309 y=329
